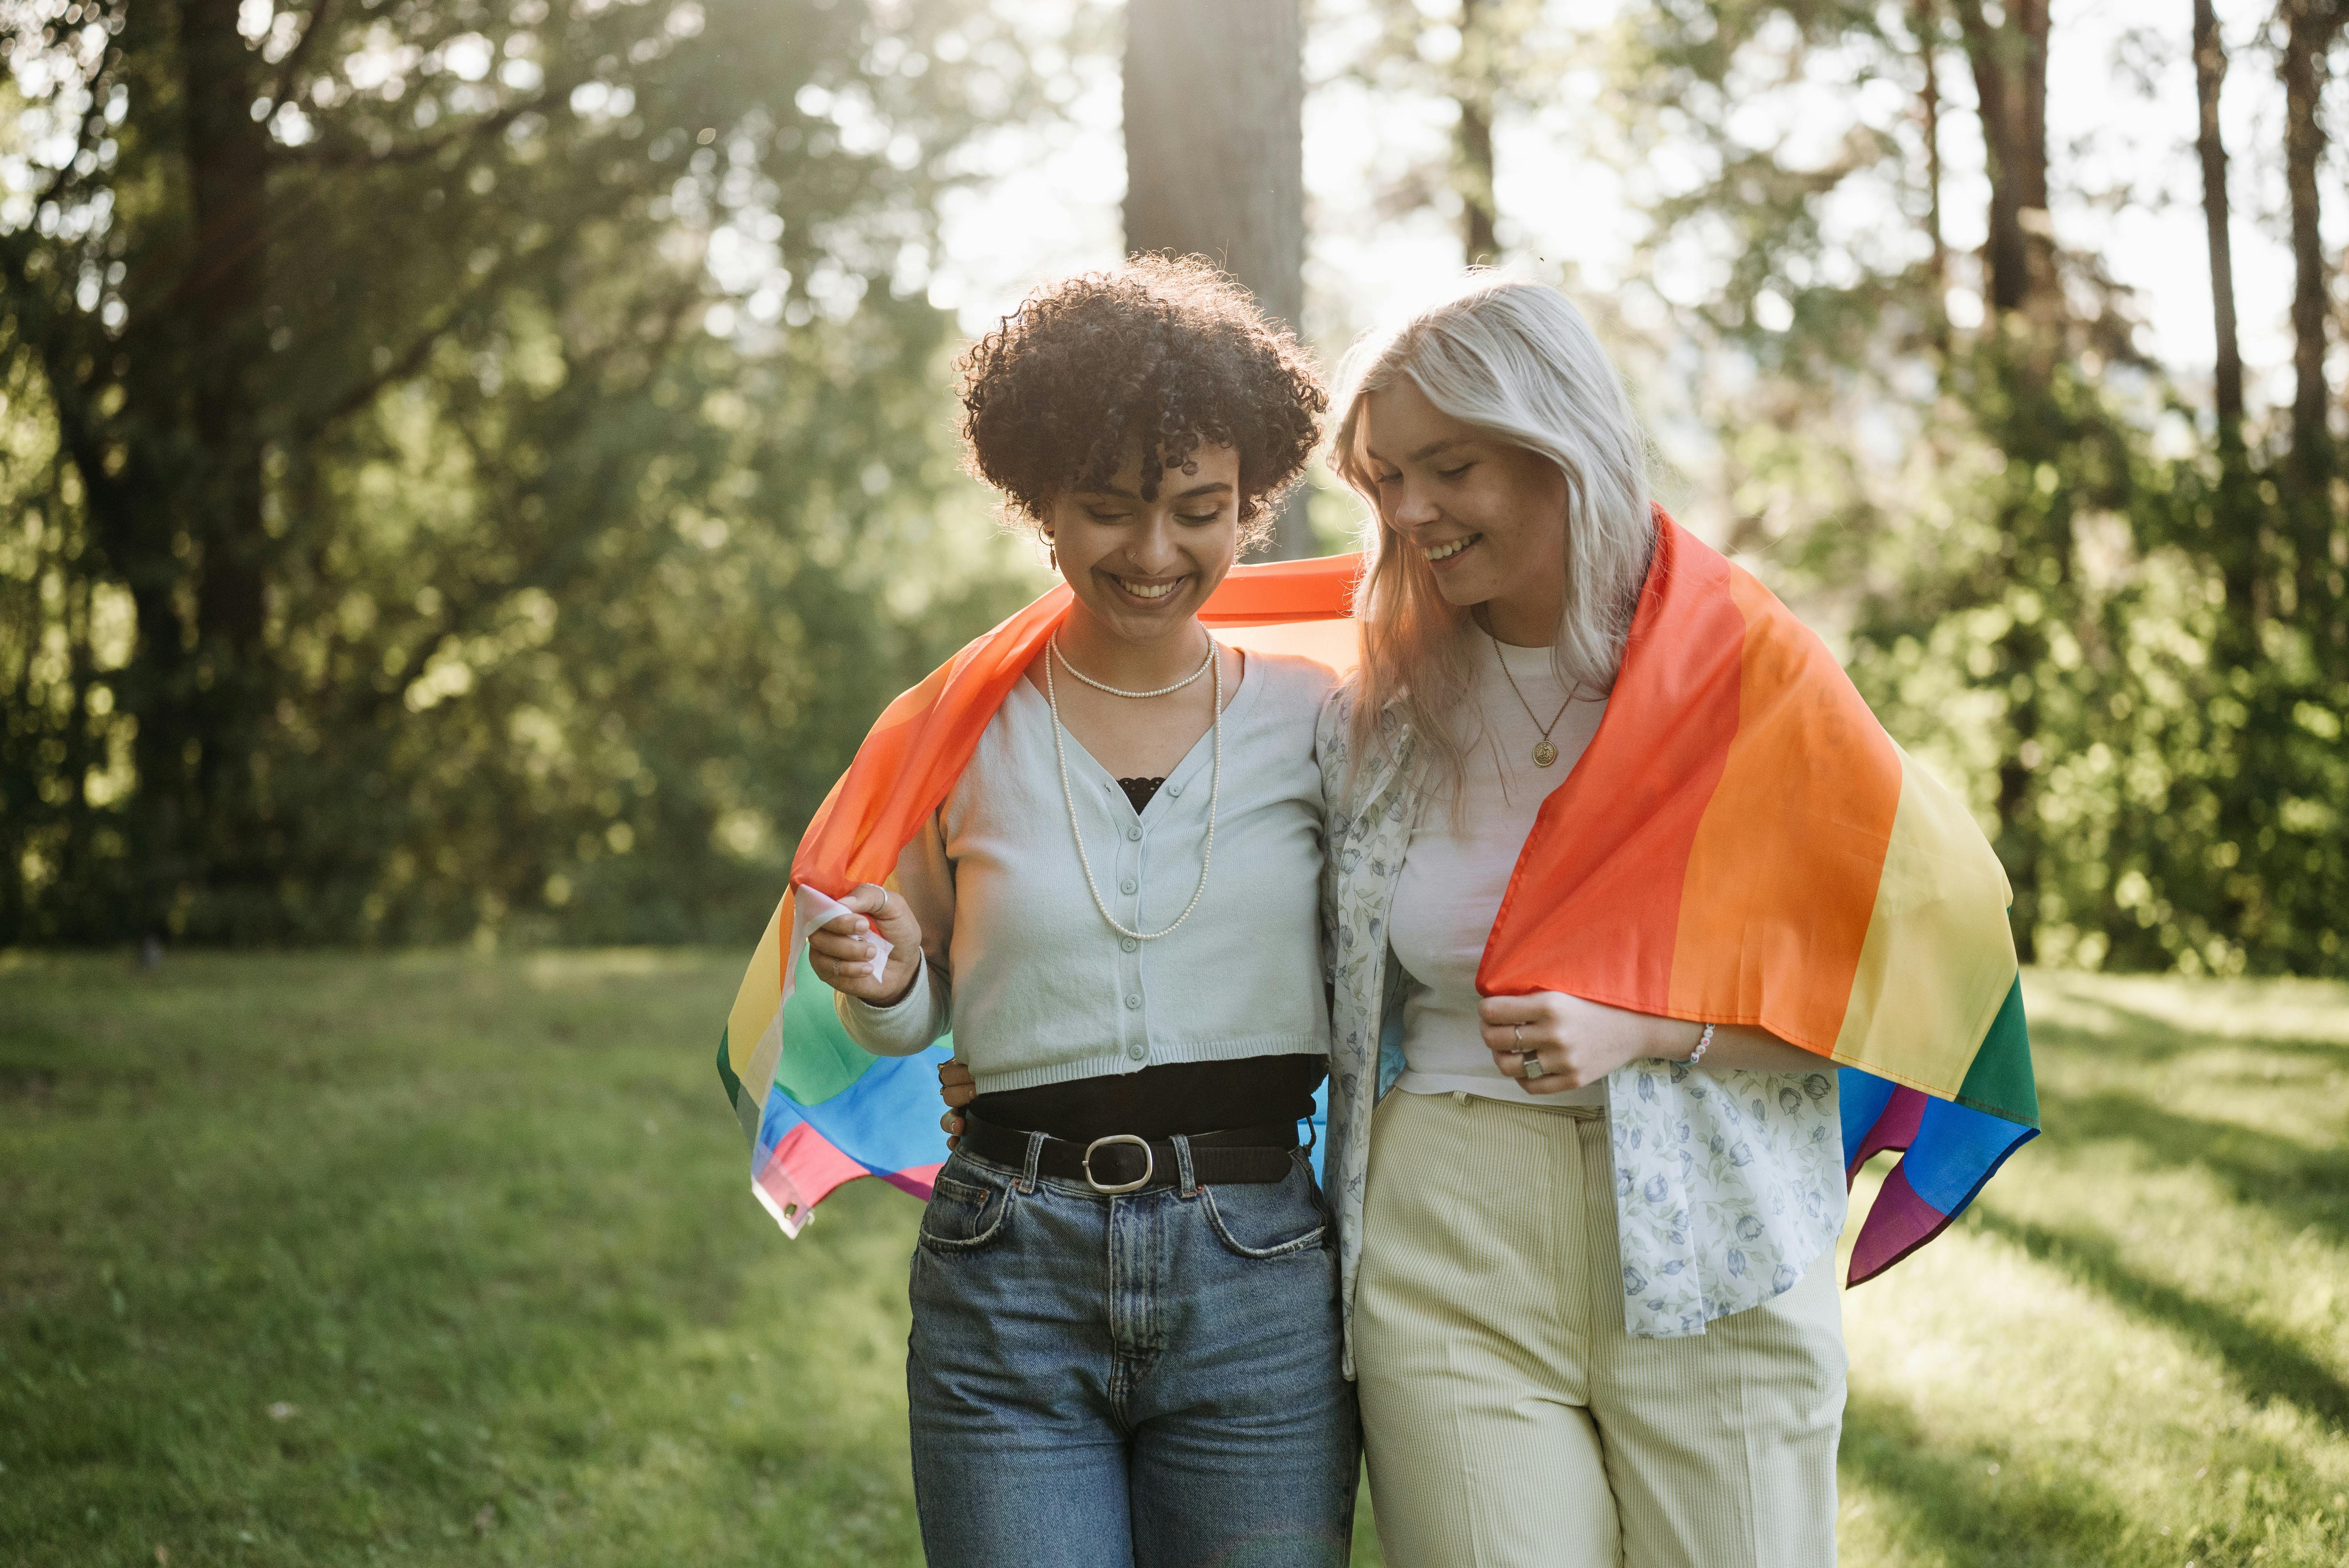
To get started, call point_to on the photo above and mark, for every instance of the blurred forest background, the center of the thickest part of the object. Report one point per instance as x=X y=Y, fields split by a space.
x=470 y=470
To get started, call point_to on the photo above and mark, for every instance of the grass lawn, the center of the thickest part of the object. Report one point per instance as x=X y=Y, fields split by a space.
x=324 y=1260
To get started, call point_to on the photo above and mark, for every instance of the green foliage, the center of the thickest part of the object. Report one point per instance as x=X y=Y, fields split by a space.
x=2051 y=581
x=478 y=1234
x=580 y=486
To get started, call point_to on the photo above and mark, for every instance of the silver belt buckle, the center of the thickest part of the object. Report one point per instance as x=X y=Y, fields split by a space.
x=1149 y=1163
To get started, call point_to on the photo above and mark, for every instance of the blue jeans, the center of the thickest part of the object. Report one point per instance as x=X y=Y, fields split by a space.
x=1149 y=1380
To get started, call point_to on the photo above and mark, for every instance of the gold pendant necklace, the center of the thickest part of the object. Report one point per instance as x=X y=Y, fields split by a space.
x=1544 y=751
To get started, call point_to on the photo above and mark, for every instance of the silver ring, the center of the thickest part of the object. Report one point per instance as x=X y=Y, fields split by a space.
x=1530 y=1064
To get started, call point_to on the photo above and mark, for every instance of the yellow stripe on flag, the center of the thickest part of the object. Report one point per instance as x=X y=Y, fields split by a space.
x=756 y=1001
x=1939 y=957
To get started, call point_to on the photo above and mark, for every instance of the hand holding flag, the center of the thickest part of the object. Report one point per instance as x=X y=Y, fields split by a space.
x=872 y=959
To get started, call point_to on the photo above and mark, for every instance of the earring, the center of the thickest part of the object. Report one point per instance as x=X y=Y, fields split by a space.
x=1052 y=552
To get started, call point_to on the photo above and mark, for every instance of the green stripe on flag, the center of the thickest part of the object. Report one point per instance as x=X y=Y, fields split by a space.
x=1999 y=1081
x=747 y=1109
x=726 y=1071
x=819 y=1059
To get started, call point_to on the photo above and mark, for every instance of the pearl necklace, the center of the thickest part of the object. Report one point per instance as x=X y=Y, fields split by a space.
x=1119 y=691
x=1069 y=796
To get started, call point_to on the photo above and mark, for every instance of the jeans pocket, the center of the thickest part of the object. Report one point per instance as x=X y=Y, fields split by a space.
x=1268 y=1219
x=966 y=1211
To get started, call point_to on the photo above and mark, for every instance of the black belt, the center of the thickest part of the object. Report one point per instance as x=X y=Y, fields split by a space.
x=1123 y=1163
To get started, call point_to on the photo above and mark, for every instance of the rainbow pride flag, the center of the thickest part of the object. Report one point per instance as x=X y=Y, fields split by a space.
x=1741 y=843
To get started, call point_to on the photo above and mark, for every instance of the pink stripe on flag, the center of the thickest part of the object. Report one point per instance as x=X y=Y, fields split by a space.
x=918 y=1179
x=803 y=1167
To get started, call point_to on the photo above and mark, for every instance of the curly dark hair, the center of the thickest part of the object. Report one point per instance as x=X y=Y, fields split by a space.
x=1164 y=349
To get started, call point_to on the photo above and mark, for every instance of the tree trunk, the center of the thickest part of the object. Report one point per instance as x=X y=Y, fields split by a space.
x=2311 y=28
x=2238 y=526
x=2238 y=544
x=1928 y=27
x=2010 y=69
x=1472 y=139
x=2209 y=75
x=2009 y=58
x=1214 y=153
x=220 y=300
x=1928 y=50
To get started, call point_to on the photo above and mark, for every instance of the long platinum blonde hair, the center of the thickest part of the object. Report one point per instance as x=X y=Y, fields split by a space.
x=1517 y=361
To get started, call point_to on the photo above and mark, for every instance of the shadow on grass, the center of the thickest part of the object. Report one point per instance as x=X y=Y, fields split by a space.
x=2153 y=1037
x=2306 y=1186
x=1954 y=1501
x=2263 y=1365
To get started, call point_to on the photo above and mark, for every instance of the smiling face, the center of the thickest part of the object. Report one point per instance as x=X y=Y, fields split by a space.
x=1488 y=518
x=1142 y=568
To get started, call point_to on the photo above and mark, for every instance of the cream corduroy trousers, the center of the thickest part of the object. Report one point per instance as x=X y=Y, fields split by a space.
x=1511 y=1422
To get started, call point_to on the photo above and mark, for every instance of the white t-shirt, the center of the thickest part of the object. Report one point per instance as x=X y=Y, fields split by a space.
x=1456 y=870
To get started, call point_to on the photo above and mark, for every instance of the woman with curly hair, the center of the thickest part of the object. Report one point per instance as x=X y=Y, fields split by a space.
x=1124 y=1294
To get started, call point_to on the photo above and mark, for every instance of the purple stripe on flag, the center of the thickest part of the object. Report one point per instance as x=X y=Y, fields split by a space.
x=1895 y=1127
x=1897 y=1223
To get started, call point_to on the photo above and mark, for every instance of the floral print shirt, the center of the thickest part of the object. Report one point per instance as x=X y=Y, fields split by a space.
x=1727 y=1184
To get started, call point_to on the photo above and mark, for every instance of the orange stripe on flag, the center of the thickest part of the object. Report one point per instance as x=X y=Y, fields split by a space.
x=1279 y=593
x=1594 y=902
x=1771 y=923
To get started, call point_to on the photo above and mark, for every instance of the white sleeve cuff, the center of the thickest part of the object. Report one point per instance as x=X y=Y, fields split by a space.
x=910 y=1024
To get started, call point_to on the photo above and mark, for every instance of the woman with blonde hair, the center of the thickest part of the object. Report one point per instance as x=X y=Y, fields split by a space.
x=1601 y=813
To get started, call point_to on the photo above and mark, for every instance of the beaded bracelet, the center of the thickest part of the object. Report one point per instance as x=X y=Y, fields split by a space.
x=1704 y=1041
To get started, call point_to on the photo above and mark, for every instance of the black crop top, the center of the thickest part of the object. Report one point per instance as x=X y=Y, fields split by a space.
x=1173 y=1097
